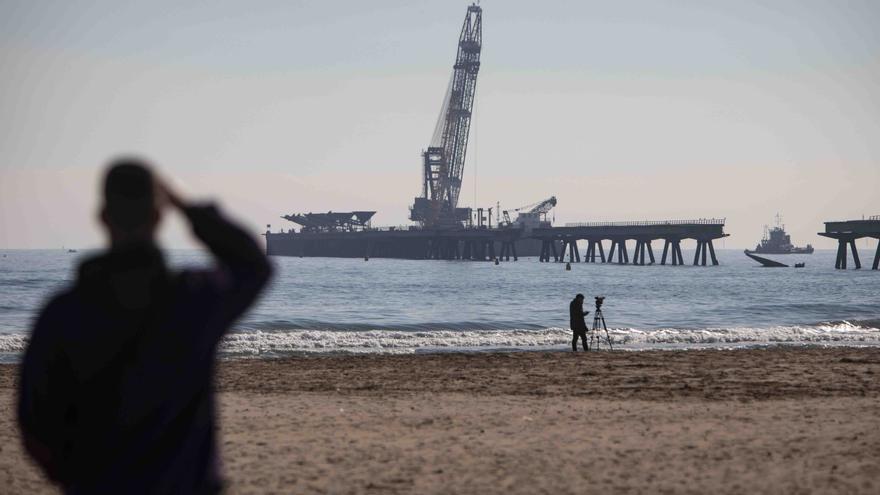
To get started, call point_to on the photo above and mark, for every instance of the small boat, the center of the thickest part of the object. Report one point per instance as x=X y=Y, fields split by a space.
x=71 y=250
x=800 y=265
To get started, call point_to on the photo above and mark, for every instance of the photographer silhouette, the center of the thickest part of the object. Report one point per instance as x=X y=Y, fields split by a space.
x=576 y=321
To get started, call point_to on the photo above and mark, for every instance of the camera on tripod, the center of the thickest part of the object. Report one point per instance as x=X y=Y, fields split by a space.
x=595 y=333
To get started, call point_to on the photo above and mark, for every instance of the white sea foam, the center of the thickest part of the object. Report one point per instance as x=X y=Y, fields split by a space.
x=395 y=341
x=390 y=341
x=282 y=342
x=12 y=343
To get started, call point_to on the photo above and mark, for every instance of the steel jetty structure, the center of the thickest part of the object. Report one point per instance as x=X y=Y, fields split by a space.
x=672 y=232
x=501 y=243
x=445 y=230
x=847 y=232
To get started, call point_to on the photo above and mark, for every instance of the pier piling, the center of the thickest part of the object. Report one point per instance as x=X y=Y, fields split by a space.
x=508 y=248
x=877 y=256
x=622 y=255
x=855 y=254
x=548 y=246
x=574 y=256
x=675 y=251
x=590 y=255
x=712 y=253
x=704 y=249
x=643 y=245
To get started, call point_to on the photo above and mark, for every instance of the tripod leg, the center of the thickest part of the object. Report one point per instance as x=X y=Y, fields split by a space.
x=607 y=336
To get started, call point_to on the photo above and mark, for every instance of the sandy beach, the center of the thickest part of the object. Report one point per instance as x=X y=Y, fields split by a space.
x=744 y=421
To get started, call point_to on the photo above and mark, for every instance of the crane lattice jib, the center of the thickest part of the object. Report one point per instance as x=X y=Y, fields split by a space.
x=446 y=185
x=545 y=206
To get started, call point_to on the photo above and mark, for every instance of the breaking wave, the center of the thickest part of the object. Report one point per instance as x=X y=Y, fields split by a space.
x=419 y=338
x=841 y=333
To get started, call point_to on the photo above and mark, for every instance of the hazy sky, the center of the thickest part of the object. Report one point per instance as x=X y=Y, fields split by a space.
x=623 y=110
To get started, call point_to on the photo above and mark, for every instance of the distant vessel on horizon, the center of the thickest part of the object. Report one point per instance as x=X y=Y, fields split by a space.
x=776 y=241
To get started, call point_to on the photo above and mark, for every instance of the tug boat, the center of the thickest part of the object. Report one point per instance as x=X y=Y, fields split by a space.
x=777 y=241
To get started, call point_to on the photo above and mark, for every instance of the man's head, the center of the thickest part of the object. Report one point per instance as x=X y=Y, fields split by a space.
x=579 y=297
x=130 y=211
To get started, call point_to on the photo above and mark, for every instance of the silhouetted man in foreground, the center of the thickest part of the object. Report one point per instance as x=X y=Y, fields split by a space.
x=116 y=384
x=578 y=325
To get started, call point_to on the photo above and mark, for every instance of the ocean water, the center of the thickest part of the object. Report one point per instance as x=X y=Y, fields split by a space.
x=327 y=305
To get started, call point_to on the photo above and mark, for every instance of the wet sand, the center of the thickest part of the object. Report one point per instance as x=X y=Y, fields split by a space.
x=745 y=421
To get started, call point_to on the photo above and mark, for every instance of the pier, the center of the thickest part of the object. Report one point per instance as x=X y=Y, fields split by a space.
x=644 y=233
x=500 y=243
x=847 y=232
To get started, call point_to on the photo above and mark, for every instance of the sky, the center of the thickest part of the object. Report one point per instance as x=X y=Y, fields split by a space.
x=628 y=110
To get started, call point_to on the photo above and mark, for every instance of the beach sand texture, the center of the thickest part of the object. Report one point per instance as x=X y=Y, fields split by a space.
x=746 y=421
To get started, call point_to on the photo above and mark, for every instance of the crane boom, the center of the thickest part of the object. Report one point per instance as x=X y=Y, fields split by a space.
x=544 y=206
x=443 y=161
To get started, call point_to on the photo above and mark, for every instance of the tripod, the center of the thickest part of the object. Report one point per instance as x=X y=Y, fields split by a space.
x=596 y=332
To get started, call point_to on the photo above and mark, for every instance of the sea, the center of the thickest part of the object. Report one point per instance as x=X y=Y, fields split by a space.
x=353 y=306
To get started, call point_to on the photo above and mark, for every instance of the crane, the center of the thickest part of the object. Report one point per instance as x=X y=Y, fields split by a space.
x=532 y=211
x=443 y=161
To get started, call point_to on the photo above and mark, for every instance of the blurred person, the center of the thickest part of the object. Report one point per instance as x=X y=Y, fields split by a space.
x=116 y=383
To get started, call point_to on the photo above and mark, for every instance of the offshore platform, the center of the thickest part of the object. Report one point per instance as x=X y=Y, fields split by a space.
x=445 y=230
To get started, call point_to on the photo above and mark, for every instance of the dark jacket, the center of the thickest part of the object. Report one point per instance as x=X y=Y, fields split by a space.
x=116 y=383
x=576 y=315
